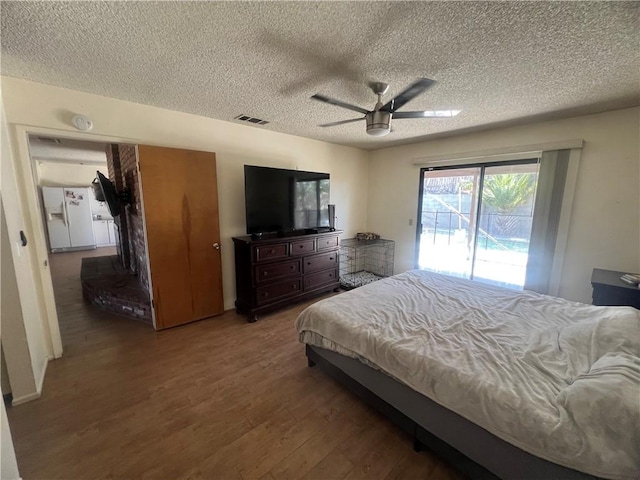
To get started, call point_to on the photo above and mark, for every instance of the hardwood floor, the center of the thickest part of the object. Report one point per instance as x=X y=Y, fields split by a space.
x=216 y=399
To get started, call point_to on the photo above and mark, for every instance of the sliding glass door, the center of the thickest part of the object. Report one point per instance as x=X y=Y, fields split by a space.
x=475 y=221
x=447 y=221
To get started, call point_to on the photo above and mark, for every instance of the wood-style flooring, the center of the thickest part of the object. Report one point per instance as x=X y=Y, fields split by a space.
x=216 y=399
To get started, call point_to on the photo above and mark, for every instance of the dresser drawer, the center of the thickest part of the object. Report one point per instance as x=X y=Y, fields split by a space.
x=275 y=291
x=319 y=279
x=327 y=242
x=320 y=262
x=270 y=252
x=303 y=247
x=278 y=269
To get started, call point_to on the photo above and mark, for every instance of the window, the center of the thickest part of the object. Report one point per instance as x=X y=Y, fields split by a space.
x=476 y=221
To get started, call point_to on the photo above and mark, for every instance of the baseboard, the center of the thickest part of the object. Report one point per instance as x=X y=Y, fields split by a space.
x=40 y=382
x=39 y=385
x=25 y=398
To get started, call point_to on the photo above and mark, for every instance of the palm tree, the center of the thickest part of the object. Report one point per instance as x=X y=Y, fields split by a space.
x=504 y=193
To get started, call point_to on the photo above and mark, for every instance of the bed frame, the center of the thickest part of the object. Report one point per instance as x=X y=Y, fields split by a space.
x=466 y=446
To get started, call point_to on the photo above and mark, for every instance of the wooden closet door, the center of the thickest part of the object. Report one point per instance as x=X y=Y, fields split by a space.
x=180 y=196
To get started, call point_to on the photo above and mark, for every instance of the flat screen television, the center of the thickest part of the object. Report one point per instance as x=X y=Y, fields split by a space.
x=279 y=200
x=106 y=192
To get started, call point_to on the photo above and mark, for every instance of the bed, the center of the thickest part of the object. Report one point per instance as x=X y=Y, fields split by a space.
x=503 y=383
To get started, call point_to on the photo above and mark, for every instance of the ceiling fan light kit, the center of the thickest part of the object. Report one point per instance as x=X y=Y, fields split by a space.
x=379 y=119
x=378 y=123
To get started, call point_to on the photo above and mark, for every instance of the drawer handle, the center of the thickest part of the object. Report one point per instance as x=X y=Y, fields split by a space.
x=308 y=263
x=265 y=294
x=294 y=286
x=293 y=267
x=301 y=246
x=330 y=258
x=331 y=274
x=264 y=273
x=272 y=251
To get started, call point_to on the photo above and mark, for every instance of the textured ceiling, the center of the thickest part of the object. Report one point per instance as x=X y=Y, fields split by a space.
x=499 y=62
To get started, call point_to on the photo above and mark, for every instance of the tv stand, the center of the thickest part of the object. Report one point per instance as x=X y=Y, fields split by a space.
x=274 y=272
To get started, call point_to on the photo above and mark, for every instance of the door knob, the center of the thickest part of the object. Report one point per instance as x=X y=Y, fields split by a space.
x=216 y=246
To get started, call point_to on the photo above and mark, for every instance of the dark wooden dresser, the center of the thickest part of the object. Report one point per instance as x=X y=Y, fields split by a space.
x=608 y=289
x=275 y=272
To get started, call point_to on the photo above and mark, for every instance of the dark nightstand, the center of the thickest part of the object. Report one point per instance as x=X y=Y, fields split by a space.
x=608 y=289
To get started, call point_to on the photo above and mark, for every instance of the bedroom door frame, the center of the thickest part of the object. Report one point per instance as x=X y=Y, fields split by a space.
x=476 y=201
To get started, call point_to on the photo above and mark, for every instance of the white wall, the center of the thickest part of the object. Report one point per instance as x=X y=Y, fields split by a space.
x=604 y=231
x=55 y=174
x=8 y=463
x=15 y=347
x=39 y=107
x=29 y=360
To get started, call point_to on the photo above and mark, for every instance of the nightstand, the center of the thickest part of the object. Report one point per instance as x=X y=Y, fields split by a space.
x=608 y=289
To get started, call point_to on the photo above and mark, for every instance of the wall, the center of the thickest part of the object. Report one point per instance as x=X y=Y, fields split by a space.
x=47 y=110
x=123 y=172
x=8 y=463
x=31 y=336
x=5 y=386
x=56 y=174
x=604 y=230
x=135 y=225
x=120 y=221
x=15 y=346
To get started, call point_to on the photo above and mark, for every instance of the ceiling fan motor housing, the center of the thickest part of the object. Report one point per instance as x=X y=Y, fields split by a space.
x=378 y=123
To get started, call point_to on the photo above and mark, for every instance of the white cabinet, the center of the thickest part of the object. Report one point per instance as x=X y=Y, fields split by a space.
x=102 y=223
x=101 y=232
x=104 y=232
x=112 y=232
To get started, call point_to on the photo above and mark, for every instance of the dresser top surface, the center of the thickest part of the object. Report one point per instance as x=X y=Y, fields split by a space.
x=274 y=238
x=610 y=278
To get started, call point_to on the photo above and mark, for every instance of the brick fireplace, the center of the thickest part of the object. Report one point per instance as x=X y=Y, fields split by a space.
x=120 y=284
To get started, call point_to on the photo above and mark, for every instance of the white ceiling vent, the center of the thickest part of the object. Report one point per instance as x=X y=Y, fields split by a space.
x=247 y=118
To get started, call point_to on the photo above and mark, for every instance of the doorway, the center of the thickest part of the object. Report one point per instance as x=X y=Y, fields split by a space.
x=76 y=225
x=475 y=220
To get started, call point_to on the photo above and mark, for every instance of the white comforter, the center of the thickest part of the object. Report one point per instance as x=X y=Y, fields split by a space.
x=558 y=379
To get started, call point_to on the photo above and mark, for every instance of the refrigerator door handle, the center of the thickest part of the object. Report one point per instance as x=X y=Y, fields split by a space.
x=65 y=218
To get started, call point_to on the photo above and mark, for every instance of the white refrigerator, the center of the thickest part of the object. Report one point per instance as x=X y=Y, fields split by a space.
x=67 y=213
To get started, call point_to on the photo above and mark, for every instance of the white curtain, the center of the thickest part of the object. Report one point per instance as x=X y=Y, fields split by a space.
x=548 y=209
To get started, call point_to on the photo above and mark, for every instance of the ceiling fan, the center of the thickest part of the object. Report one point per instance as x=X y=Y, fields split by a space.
x=379 y=119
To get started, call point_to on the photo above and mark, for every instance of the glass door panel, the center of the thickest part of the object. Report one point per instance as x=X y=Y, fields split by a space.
x=446 y=234
x=504 y=224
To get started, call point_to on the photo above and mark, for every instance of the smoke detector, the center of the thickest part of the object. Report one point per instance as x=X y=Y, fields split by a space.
x=82 y=122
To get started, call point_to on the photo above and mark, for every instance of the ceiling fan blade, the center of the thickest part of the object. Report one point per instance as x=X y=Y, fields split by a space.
x=341 y=122
x=408 y=94
x=427 y=114
x=338 y=103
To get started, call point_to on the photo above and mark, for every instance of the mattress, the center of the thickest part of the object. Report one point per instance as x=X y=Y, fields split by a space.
x=558 y=379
